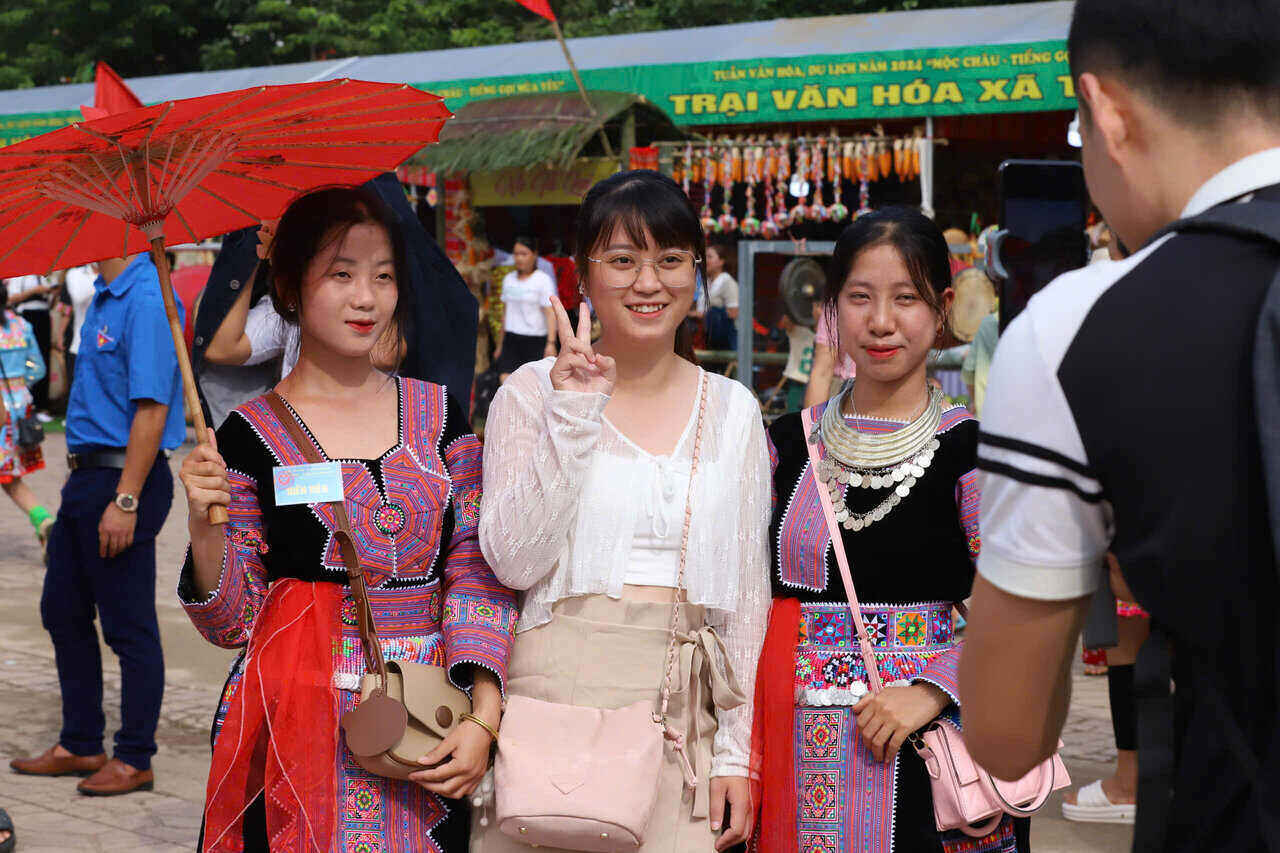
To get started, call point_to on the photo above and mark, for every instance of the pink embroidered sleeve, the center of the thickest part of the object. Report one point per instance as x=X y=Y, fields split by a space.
x=479 y=612
x=225 y=616
x=941 y=673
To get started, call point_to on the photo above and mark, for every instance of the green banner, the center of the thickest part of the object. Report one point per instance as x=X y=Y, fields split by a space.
x=1028 y=77
x=20 y=126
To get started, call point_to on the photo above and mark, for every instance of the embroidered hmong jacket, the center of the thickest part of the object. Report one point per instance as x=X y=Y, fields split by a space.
x=907 y=571
x=414 y=514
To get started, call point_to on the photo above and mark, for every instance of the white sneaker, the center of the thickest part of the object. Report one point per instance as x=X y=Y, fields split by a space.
x=44 y=417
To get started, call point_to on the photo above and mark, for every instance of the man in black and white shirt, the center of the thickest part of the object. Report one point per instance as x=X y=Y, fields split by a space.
x=1120 y=416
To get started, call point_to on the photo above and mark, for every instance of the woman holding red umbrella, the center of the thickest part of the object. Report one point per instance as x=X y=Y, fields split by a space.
x=274 y=581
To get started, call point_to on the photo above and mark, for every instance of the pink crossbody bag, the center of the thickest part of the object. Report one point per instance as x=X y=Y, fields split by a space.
x=965 y=797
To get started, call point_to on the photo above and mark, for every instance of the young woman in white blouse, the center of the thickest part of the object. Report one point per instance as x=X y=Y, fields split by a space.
x=722 y=298
x=587 y=473
x=528 y=324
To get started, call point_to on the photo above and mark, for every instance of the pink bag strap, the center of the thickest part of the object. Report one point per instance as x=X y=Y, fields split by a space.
x=1048 y=772
x=842 y=560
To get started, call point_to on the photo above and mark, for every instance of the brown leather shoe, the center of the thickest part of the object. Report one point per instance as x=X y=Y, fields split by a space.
x=50 y=764
x=116 y=777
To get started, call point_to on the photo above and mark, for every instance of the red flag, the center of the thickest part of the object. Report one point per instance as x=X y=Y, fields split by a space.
x=540 y=7
x=110 y=94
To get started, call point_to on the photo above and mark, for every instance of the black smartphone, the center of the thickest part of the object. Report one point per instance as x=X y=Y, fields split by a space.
x=1043 y=204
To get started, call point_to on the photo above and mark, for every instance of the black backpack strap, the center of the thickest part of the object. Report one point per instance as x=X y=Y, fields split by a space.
x=1255 y=220
x=1252 y=220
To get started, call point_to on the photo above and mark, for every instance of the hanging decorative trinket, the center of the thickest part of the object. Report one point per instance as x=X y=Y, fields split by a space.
x=781 y=217
x=768 y=228
x=753 y=158
x=730 y=162
x=708 y=178
x=837 y=158
x=799 y=186
x=886 y=159
x=687 y=171
x=818 y=210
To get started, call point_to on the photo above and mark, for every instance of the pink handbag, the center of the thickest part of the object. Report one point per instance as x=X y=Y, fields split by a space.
x=963 y=793
x=580 y=778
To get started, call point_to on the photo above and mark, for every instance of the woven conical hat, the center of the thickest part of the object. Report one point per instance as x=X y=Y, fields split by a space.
x=975 y=299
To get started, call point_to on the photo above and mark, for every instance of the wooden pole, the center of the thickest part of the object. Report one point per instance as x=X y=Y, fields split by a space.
x=577 y=78
x=217 y=513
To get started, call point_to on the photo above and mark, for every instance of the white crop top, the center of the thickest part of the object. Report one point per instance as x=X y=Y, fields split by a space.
x=663 y=486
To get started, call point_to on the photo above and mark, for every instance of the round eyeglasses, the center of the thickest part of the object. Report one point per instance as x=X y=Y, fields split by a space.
x=675 y=268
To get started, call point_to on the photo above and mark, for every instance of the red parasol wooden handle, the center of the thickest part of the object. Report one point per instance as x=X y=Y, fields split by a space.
x=217 y=512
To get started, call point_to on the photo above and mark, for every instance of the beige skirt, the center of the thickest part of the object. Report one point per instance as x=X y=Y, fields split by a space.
x=603 y=653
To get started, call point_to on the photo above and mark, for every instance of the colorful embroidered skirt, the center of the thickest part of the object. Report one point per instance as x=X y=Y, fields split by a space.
x=373 y=814
x=848 y=800
x=17 y=461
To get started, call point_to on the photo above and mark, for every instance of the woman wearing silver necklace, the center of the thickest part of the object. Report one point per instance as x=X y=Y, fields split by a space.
x=896 y=461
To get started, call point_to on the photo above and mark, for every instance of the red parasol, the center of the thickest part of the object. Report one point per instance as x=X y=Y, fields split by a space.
x=184 y=170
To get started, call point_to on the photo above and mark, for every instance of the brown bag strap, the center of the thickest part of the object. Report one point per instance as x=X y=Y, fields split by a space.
x=373 y=659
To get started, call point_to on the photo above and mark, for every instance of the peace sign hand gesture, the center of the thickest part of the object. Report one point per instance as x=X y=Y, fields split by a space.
x=578 y=367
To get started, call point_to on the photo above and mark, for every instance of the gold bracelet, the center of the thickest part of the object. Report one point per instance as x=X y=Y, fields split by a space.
x=493 y=733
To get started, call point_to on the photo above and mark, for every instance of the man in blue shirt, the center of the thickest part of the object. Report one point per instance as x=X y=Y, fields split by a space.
x=124 y=416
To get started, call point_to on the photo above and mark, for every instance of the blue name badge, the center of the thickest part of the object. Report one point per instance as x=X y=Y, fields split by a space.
x=308 y=484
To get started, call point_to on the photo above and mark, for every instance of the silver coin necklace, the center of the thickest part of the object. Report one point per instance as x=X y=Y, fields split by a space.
x=894 y=460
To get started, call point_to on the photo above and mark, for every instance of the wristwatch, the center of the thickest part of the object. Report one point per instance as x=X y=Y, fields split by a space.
x=126 y=503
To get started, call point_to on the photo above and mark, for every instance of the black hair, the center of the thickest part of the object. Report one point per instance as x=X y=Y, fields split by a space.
x=919 y=242
x=640 y=201
x=312 y=223
x=530 y=243
x=1195 y=58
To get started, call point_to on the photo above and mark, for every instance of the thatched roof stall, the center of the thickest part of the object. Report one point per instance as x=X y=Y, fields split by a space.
x=544 y=130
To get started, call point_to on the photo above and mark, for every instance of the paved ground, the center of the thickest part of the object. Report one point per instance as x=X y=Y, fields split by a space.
x=51 y=816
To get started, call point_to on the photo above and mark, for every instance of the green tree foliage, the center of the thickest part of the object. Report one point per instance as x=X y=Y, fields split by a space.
x=46 y=42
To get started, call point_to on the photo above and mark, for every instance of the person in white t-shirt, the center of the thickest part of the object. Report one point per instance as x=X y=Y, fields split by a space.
x=722 y=300
x=80 y=291
x=529 y=326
